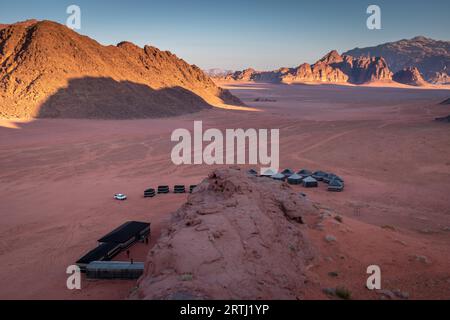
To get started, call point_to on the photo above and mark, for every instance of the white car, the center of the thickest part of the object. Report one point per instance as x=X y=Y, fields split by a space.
x=120 y=196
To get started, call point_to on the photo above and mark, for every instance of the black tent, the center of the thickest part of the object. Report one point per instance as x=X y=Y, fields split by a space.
x=295 y=179
x=253 y=172
x=179 y=189
x=336 y=185
x=331 y=176
x=310 y=182
x=149 y=193
x=318 y=175
x=279 y=177
x=127 y=233
x=304 y=173
x=105 y=251
x=163 y=189
x=287 y=172
x=268 y=173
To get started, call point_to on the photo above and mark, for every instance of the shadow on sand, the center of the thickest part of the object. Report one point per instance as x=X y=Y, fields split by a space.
x=105 y=98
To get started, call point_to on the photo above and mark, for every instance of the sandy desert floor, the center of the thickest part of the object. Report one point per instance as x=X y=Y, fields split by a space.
x=58 y=177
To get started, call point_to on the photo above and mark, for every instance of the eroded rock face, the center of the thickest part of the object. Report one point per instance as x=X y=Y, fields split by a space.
x=332 y=68
x=430 y=57
x=366 y=70
x=439 y=78
x=410 y=76
x=237 y=237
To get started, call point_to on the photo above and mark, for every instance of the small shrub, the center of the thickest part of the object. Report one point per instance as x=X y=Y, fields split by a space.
x=343 y=293
x=187 y=277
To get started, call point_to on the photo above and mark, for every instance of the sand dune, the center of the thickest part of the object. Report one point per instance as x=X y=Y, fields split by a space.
x=58 y=178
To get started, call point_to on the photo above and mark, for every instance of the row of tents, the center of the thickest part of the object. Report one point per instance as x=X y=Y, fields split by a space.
x=150 y=193
x=305 y=177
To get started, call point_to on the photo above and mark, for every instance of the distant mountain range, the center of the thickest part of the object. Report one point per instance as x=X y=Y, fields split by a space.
x=217 y=72
x=416 y=62
x=332 y=68
x=50 y=71
x=430 y=57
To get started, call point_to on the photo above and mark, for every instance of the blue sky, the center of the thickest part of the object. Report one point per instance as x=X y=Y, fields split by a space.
x=246 y=33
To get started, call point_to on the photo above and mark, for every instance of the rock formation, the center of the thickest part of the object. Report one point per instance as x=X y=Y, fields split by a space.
x=48 y=70
x=447 y=101
x=410 y=76
x=332 y=68
x=237 y=237
x=430 y=57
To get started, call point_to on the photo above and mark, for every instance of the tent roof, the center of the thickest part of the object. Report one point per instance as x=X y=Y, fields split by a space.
x=269 y=172
x=295 y=177
x=125 y=232
x=335 y=183
x=309 y=179
x=278 y=175
x=304 y=171
x=287 y=171
x=97 y=253
x=115 y=265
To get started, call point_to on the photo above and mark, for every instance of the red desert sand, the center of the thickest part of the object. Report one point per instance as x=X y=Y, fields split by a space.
x=58 y=178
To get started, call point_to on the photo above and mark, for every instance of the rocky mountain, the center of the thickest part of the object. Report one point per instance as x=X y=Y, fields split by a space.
x=430 y=57
x=235 y=229
x=48 y=70
x=410 y=76
x=217 y=72
x=332 y=68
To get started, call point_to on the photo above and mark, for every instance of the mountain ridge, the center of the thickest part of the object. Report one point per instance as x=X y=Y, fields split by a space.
x=39 y=58
x=331 y=68
x=430 y=57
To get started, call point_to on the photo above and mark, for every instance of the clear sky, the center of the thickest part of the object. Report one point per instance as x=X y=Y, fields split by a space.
x=235 y=34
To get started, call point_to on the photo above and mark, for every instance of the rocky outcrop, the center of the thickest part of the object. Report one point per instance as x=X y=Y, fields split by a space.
x=447 y=101
x=410 y=76
x=430 y=57
x=255 y=76
x=443 y=119
x=332 y=68
x=48 y=70
x=366 y=70
x=439 y=78
x=237 y=237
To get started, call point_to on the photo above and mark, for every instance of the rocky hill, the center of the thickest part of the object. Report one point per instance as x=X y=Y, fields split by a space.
x=410 y=76
x=48 y=70
x=237 y=237
x=430 y=57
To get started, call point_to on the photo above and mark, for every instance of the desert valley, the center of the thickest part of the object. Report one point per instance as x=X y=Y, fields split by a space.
x=80 y=121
